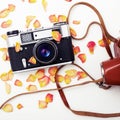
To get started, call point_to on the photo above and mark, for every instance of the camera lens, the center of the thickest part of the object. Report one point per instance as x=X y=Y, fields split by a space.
x=45 y=51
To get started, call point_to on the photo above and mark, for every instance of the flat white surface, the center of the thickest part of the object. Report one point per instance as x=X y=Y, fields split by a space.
x=89 y=97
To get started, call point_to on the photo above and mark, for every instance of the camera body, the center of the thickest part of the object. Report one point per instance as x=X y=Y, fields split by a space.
x=40 y=45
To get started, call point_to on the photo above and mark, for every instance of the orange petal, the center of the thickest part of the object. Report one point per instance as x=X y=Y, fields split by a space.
x=7 y=88
x=60 y=78
x=4 y=13
x=4 y=36
x=44 y=4
x=67 y=79
x=29 y=19
x=71 y=73
x=32 y=60
x=56 y=36
x=62 y=18
x=31 y=78
x=6 y=24
x=73 y=32
x=17 y=47
x=11 y=7
x=32 y=88
x=76 y=22
x=81 y=75
x=76 y=50
x=40 y=73
x=53 y=18
x=19 y=106
x=82 y=57
x=102 y=44
x=18 y=83
x=7 y=108
x=32 y=1
x=52 y=70
x=91 y=45
x=36 y=24
x=44 y=81
x=42 y=104
x=49 y=98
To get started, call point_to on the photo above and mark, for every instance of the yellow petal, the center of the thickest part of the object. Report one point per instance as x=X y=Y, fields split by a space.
x=42 y=104
x=11 y=7
x=8 y=108
x=32 y=60
x=7 y=88
x=31 y=78
x=72 y=73
x=6 y=24
x=44 y=4
x=29 y=19
x=4 y=13
x=32 y=88
x=36 y=24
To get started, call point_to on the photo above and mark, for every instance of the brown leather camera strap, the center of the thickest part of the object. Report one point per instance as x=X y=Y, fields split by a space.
x=106 y=37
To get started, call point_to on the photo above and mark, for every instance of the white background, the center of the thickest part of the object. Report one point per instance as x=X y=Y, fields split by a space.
x=89 y=97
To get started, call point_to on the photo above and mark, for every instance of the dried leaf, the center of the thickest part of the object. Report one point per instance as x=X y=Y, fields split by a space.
x=31 y=78
x=91 y=46
x=7 y=88
x=82 y=57
x=7 y=108
x=36 y=24
x=42 y=104
x=18 y=83
x=6 y=24
x=44 y=4
x=44 y=81
x=56 y=36
x=32 y=60
x=53 y=18
x=49 y=98
x=52 y=70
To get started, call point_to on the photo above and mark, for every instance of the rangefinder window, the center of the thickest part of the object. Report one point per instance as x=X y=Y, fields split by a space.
x=26 y=37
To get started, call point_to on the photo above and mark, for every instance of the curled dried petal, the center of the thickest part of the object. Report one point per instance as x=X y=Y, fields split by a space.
x=4 y=13
x=49 y=98
x=73 y=32
x=7 y=88
x=76 y=22
x=18 y=83
x=17 y=47
x=29 y=19
x=31 y=78
x=52 y=70
x=62 y=18
x=32 y=88
x=36 y=24
x=81 y=75
x=76 y=50
x=32 y=60
x=4 y=36
x=91 y=45
x=60 y=78
x=6 y=24
x=71 y=73
x=7 y=108
x=40 y=73
x=53 y=18
x=82 y=57
x=11 y=7
x=44 y=4
x=44 y=81
x=56 y=36
x=67 y=79
x=42 y=104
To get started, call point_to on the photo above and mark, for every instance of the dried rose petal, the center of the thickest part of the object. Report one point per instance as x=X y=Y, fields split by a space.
x=73 y=32
x=62 y=18
x=18 y=83
x=53 y=18
x=32 y=60
x=60 y=78
x=40 y=73
x=10 y=75
x=29 y=19
x=17 y=47
x=32 y=1
x=56 y=36
x=91 y=46
x=31 y=78
x=19 y=106
x=52 y=78
x=76 y=22
x=7 y=108
x=71 y=73
x=81 y=75
x=36 y=24
x=32 y=88
x=67 y=79
x=82 y=57
x=7 y=88
x=44 y=4
x=68 y=0
x=4 y=13
x=49 y=98
x=4 y=76
x=4 y=36
x=44 y=81
x=76 y=50
x=6 y=24
x=52 y=70
x=42 y=104
x=11 y=7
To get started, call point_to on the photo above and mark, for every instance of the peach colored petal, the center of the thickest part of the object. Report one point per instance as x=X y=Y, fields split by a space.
x=36 y=24
x=62 y=18
x=4 y=36
x=40 y=73
x=10 y=75
x=44 y=4
x=31 y=78
x=44 y=81
x=68 y=0
x=82 y=57
x=76 y=22
x=32 y=60
x=7 y=108
x=76 y=50
x=52 y=78
x=53 y=18
x=71 y=73
x=42 y=104
x=4 y=76
x=73 y=32
x=49 y=98
x=32 y=1
x=52 y=70
x=60 y=78
x=91 y=46
x=11 y=7
x=7 y=88
x=29 y=19
x=6 y=24
x=56 y=36
x=17 y=47
x=5 y=57
x=4 y=13
x=81 y=75
x=32 y=88
x=19 y=106
x=67 y=79
x=18 y=83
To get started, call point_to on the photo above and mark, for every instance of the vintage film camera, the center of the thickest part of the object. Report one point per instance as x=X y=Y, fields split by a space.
x=40 y=44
